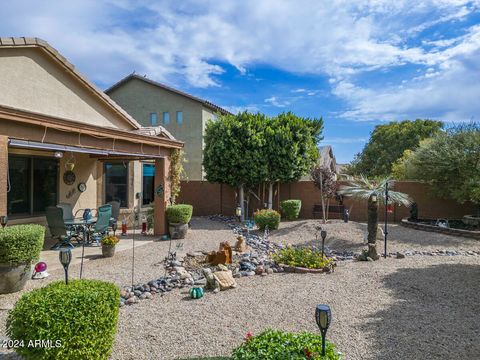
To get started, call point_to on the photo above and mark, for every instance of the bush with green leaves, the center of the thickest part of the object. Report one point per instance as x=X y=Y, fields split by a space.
x=303 y=257
x=275 y=345
x=80 y=317
x=21 y=244
x=267 y=217
x=291 y=208
x=179 y=214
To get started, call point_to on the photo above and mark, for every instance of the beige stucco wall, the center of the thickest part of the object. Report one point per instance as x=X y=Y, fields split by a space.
x=140 y=99
x=31 y=81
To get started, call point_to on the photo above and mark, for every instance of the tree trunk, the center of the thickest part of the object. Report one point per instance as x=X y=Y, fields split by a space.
x=323 y=199
x=242 y=205
x=270 y=196
x=372 y=228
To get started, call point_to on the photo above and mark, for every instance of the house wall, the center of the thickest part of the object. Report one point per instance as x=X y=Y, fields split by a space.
x=32 y=81
x=140 y=98
x=87 y=170
x=213 y=198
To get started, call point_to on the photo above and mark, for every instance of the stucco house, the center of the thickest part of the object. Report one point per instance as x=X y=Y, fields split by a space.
x=52 y=117
x=183 y=115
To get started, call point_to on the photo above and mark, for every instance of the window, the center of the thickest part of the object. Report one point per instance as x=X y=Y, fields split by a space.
x=34 y=184
x=166 y=118
x=116 y=183
x=179 y=117
x=153 y=119
x=148 y=183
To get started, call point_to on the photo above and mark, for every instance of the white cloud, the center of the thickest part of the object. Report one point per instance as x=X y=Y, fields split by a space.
x=446 y=91
x=185 y=41
x=276 y=102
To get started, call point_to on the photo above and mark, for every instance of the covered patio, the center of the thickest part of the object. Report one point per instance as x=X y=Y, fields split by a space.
x=62 y=140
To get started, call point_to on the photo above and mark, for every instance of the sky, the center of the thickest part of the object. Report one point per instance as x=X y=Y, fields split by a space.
x=357 y=64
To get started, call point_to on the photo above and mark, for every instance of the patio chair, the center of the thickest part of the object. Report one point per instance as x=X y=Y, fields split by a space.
x=115 y=214
x=104 y=213
x=67 y=210
x=57 y=227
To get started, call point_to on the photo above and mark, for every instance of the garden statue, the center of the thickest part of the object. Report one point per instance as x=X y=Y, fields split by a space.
x=413 y=212
x=212 y=283
x=222 y=256
x=240 y=245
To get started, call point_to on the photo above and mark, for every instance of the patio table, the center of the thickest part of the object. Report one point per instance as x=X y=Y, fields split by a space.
x=85 y=224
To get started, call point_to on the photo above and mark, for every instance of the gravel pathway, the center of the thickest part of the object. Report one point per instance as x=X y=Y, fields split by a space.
x=416 y=308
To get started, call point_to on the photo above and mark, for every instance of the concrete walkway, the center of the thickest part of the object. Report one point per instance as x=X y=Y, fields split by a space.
x=92 y=252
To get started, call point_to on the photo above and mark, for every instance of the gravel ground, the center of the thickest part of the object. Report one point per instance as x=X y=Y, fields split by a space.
x=417 y=308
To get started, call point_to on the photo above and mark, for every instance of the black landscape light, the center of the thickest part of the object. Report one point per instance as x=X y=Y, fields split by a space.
x=323 y=316
x=65 y=257
x=3 y=220
x=323 y=234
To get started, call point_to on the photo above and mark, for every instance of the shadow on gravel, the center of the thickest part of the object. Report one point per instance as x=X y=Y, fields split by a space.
x=435 y=315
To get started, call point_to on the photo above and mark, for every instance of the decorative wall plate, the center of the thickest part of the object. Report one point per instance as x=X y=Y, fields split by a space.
x=82 y=187
x=69 y=177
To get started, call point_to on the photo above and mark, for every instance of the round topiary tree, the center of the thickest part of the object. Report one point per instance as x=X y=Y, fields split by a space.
x=74 y=321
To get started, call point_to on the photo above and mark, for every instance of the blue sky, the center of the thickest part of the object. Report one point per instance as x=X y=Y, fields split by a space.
x=355 y=63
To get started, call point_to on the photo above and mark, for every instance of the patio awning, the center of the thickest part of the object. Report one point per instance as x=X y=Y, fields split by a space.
x=26 y=144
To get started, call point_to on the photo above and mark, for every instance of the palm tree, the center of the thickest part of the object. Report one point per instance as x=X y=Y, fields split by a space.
x=374 y=192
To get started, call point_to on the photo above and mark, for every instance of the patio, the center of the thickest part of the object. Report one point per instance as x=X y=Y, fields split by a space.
x=93 y=252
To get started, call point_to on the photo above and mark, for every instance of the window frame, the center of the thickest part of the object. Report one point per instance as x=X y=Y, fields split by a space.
x=104 y=197
x=176 y=117
x=153 y=115
x=31 y=158
x=143 y=163
x=163 y=117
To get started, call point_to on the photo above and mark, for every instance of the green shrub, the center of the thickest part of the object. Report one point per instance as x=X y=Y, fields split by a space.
x=266 y=217
x=303 y=257
x=82 y=316
x=291 y=208
x=276 y=345
x=21 y=244
x=179 y=214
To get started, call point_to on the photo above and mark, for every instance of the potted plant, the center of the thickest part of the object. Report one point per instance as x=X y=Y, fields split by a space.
x=108 y=245
x=20 y=247
x=178 y=217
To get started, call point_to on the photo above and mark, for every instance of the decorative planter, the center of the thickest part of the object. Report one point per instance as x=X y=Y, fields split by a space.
x=108 y=250
x=178 y=231
x=13 y=278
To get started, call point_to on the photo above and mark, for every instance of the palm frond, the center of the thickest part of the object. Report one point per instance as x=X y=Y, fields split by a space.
x=362 y=188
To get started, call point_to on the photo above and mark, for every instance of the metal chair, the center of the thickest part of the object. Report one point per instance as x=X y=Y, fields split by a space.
x=115 y=214
x=67 y=210
x=104 y=214
x=57 y=227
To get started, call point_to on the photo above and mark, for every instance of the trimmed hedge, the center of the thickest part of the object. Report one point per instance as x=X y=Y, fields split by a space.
x=21 y=244
x=80 y=319
x=291 y=208
x=274 y=345
x=179 y=214
x=266 y=217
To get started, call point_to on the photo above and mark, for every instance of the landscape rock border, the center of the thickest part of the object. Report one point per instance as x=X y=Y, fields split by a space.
x=448 y=231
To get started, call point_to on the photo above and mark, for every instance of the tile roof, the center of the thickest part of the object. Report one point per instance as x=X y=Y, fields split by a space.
x=26 y=42
x=205 y=103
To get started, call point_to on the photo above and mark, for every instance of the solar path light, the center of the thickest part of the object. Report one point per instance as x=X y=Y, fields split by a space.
x=323 y=316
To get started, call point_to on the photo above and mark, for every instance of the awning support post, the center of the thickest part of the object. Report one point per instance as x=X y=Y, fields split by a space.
x=162 y=195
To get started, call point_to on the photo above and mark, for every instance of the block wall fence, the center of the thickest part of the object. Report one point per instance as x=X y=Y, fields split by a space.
x=213 y=198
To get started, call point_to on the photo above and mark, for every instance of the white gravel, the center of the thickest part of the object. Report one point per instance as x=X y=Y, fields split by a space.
x=415 y=308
